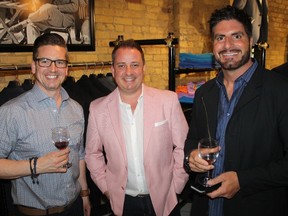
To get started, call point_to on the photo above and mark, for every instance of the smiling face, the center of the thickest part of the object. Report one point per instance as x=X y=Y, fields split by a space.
x=49 y=79
x=128 y=71
x=231 y=45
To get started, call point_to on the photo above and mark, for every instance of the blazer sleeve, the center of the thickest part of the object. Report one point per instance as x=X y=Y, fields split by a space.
x=179 y=132
x=94 y=152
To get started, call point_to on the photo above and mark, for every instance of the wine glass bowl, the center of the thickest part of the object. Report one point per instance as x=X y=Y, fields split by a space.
x=60 y=138
x=208 y=149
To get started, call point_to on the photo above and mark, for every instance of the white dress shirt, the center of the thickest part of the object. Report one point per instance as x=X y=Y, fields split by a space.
x=132 y=124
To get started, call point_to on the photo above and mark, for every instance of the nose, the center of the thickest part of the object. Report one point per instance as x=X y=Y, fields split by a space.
x=53 y=66
x=228 y=42
x=128 y=69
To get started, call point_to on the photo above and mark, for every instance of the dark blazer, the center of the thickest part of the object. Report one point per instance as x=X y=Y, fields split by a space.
x=256 y=142
x=282 y=69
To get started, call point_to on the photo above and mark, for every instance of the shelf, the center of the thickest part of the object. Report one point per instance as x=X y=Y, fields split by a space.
x=192 y=70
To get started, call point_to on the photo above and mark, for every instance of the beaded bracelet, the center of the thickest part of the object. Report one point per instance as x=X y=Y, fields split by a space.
x=33 y=171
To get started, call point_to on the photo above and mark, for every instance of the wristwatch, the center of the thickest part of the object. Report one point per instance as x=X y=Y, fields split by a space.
x=186 y=164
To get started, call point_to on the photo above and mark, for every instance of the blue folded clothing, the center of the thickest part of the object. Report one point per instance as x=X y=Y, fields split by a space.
x=189 y=60
x=185 y=99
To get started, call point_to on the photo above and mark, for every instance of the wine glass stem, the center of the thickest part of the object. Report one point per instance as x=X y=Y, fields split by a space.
x=209 y=174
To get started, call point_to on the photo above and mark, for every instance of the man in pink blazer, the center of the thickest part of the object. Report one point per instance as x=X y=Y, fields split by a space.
x=135 y=140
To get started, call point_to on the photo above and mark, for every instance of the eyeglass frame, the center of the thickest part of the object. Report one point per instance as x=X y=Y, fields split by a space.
x=51 y=61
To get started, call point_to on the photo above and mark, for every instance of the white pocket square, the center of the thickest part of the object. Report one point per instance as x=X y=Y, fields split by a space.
x=157 y=124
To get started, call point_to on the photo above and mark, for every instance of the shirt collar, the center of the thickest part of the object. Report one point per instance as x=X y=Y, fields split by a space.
x=39 y=95
x=244 y=77
x=140 y=97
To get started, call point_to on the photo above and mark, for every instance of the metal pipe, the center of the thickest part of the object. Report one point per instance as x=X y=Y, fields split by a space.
x=170 y=40
x=171 y=75
x=18 y=68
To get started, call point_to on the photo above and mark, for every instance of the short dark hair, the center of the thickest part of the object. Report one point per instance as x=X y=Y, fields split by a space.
x=230 y=13
x=48 y=39
x=128 y=44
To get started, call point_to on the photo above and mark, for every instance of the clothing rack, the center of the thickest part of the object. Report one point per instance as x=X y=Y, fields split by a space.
x=6 y=70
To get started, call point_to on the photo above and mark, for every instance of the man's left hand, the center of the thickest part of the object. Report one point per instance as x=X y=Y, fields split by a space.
x=229 y=185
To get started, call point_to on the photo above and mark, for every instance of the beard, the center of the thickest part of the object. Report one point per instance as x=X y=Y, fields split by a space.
x=232 y=65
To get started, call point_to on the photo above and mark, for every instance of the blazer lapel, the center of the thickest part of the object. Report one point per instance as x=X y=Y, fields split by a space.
x=148 y=115
x=251 y=91
x=114 y=114
x=210 y=101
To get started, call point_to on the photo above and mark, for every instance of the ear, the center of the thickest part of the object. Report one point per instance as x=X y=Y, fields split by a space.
x=144 y=68
x=251 y=42
x=67 y=72
x=33 y=67
x=113 y=71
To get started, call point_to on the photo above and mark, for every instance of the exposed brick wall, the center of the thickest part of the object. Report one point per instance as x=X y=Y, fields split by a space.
x=278 y=33
x=154 y=19
x=193 y=24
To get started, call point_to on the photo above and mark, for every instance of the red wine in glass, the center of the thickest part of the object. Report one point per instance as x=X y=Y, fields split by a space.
x=61 y=144
x=60 y=138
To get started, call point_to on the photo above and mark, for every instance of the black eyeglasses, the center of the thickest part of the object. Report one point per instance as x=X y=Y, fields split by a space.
x=45 y=62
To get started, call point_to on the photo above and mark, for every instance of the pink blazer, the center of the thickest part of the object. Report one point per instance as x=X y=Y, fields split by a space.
x=165 y=130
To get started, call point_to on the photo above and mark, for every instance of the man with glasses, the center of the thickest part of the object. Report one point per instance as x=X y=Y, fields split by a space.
x=41 y=184
x=45 y=62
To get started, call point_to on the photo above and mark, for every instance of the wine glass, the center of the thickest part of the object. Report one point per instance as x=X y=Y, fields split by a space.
x=208 y=149
x=60 y=138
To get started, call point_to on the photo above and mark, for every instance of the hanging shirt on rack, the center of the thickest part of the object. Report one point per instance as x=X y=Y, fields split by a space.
x=98 y=84
x=12 y=90
x=27 y=84
x=85 y=83
x=107 y=81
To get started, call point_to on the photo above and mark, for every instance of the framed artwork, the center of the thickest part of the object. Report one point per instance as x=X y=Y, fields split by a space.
x=22 y=21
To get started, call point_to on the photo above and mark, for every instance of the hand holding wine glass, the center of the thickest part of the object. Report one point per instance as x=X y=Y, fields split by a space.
x=60 y=138
x=208 y=149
